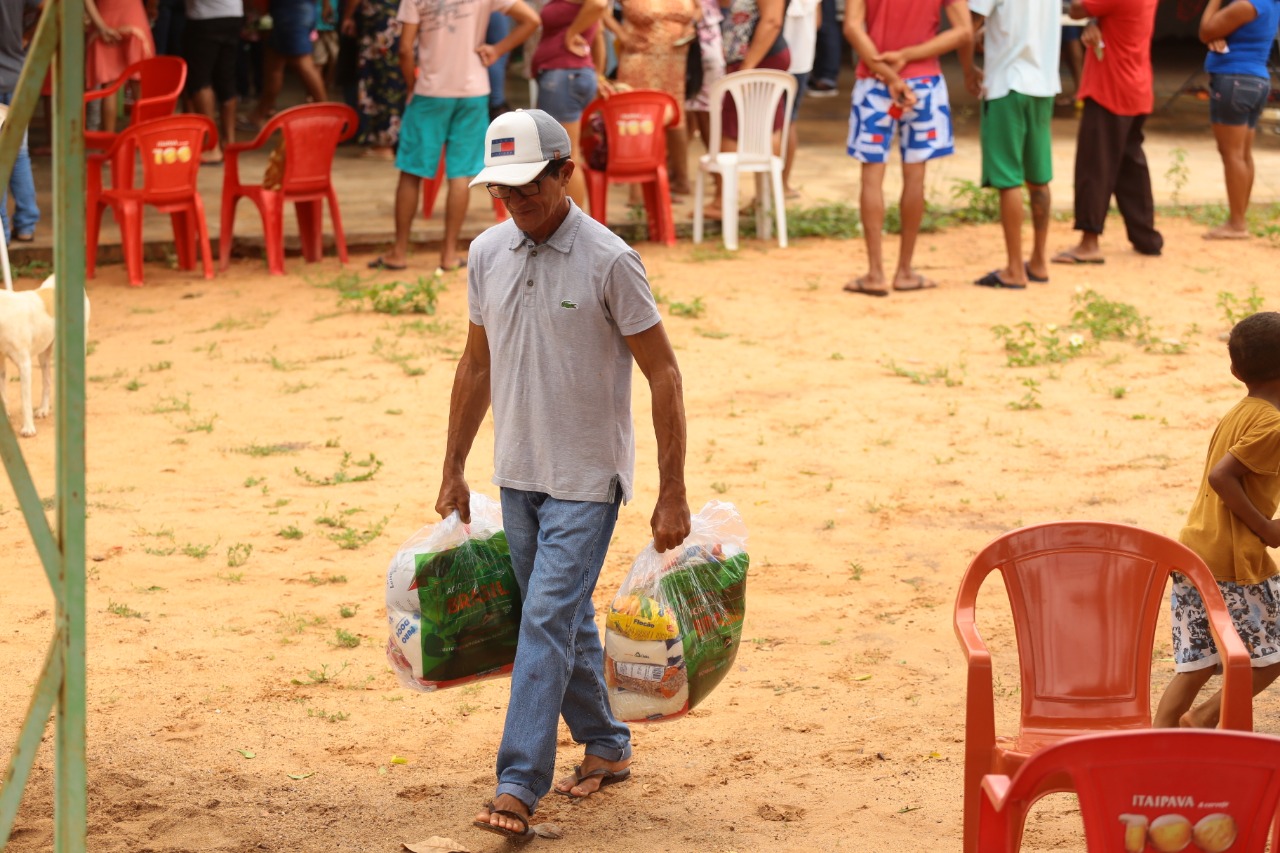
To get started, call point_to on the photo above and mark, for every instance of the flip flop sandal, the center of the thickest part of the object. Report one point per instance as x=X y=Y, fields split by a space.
x=1038 y=279
x=858 y=286
x=527 y=834
x=380 y=264
x=1072 y=258
x=993 y=279
x=607 y=777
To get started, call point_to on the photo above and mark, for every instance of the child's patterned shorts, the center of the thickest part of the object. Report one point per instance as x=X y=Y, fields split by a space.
x=1254 y=609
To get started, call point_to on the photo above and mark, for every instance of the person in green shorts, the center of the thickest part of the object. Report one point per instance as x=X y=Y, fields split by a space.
x=1017 y=84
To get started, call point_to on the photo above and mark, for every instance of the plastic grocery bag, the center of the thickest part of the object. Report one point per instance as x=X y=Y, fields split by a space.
x=452 y=602
x=674 y=627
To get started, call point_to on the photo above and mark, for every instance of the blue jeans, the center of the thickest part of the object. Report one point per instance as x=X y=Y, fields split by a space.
x=830 y=43
x=557 y=549
x=26 y=213
x=499 y=28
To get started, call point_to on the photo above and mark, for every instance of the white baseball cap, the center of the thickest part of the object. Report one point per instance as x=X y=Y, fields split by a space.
x=518 y=145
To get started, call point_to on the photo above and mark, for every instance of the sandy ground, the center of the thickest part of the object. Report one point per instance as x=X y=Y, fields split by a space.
x=873 y=446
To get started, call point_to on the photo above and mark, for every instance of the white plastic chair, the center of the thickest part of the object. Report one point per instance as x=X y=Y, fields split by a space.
x=756 y=95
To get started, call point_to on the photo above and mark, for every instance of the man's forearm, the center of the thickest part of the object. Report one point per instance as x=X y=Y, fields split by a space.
x=468 y=403
x=669 y=430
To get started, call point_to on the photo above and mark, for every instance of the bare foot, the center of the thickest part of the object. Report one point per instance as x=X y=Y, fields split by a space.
x=592 y=775
x=504 y=803
x=1226 y=232
x=1077 y=255
x=680 y=188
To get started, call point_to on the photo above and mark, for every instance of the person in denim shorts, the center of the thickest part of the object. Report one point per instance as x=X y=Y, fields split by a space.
x=1239 y=35
x=566 y=72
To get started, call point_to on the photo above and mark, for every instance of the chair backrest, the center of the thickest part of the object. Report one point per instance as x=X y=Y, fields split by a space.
x=635 y=125
x=1085 y=598
x=312 y=133
x=757 y=95
x=169 y=150
x=160 y=83
x=1159 y=789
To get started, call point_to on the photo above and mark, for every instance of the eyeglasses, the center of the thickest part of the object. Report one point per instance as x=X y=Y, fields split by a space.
x=530 y=189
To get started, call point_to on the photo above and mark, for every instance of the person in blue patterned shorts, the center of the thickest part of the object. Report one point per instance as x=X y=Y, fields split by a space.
x=900 y=92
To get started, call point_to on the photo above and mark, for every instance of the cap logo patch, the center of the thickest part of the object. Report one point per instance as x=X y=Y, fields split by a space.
x=503 y=147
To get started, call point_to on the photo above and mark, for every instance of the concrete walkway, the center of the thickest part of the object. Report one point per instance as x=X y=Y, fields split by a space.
x=1185 y=168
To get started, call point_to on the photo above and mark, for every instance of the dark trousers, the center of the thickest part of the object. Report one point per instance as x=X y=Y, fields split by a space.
x=1110 y=161
x=830 y=43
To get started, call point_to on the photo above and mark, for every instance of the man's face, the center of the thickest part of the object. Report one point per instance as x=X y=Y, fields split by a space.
x=533 y=214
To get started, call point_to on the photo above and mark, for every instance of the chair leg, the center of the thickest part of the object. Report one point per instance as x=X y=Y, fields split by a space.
x=499 y=210
x=699 y=191
x=92 y=231
x=226 y=230
x=129 y=215
x=662 y=209
x=339 y=238
x=183 y=239
x=202 y=226
x=309 y=229
x=273 y=231
x=780 y=206
x=762 y=206
x=729 y=208
x=650 y=189
x=431 y=189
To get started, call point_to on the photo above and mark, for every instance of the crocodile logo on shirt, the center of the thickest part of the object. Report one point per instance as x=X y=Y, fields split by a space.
x=568 y=304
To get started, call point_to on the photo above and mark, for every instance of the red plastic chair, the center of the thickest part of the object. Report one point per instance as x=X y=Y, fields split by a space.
x=160 y=82
x=312 y=133
x=1163 y=789
x=169 y=149
x=431 y=189
x=636 y=125
x=1085 y=597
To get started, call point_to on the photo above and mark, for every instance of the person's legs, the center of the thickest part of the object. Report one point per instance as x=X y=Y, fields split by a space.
x=557 y=550
x=793 y=136
x=1133 y=192
x=464 y=152
x=272 y=81
x=1099 y=141
x=305 y=67
x=1206 y=714
x=1179 y=696
x=911 y=209
x=1004 y=131
x=1235 y=104
x=26 y=213
x=871 y=212
x=498 y=29
x=824 y=78
x=1235 y=146
x=1038 y=162
x=408 y=196
x=204 y=103
x=1011 y=216
x=926 y=134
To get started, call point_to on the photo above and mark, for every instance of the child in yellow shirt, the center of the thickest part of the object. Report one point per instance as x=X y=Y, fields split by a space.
x=1231 y=526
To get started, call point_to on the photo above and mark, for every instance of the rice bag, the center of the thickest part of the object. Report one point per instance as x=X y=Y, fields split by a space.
x=453 y=606
x=673 y=629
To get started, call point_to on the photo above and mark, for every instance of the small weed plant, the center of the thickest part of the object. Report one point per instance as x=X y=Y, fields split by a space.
x=344 y=474
x=1027 y=344
x=1234 y=309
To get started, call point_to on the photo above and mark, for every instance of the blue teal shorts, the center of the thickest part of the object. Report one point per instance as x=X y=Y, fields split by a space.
x=291 y=24
x=454 y=125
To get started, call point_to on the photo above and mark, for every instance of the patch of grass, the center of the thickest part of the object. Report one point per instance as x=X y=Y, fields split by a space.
x=346 y=611
x=690 y=310
x=837 y=220
x=172 y=404
x=975 y=204
x=277 y=449
x=333 y=717
x=290 y=532
x=371 y=467
x=238 y=554
x=322 y=580
x=391 y=297
x=345 y=639
x=323 y=675
x=159 y=366
x=256 y=320
x=1027 y=344
x=1029 y=400
x=232 y=577
x=1234 y=309
x=350 y=538
x=199 y=552
x=118 y=609
x=205 y=425
x=391 y=353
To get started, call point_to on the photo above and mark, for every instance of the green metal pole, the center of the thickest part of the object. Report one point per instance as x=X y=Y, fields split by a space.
x=70 y=809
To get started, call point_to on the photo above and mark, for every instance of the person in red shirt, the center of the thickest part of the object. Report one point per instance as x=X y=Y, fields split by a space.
x=1117 y=92
x=900 y=93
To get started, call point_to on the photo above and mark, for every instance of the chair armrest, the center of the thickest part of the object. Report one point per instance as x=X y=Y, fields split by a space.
x=98 y=94
x=1237 y=670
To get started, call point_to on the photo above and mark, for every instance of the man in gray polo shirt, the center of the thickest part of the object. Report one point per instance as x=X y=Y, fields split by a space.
x=559 y=309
